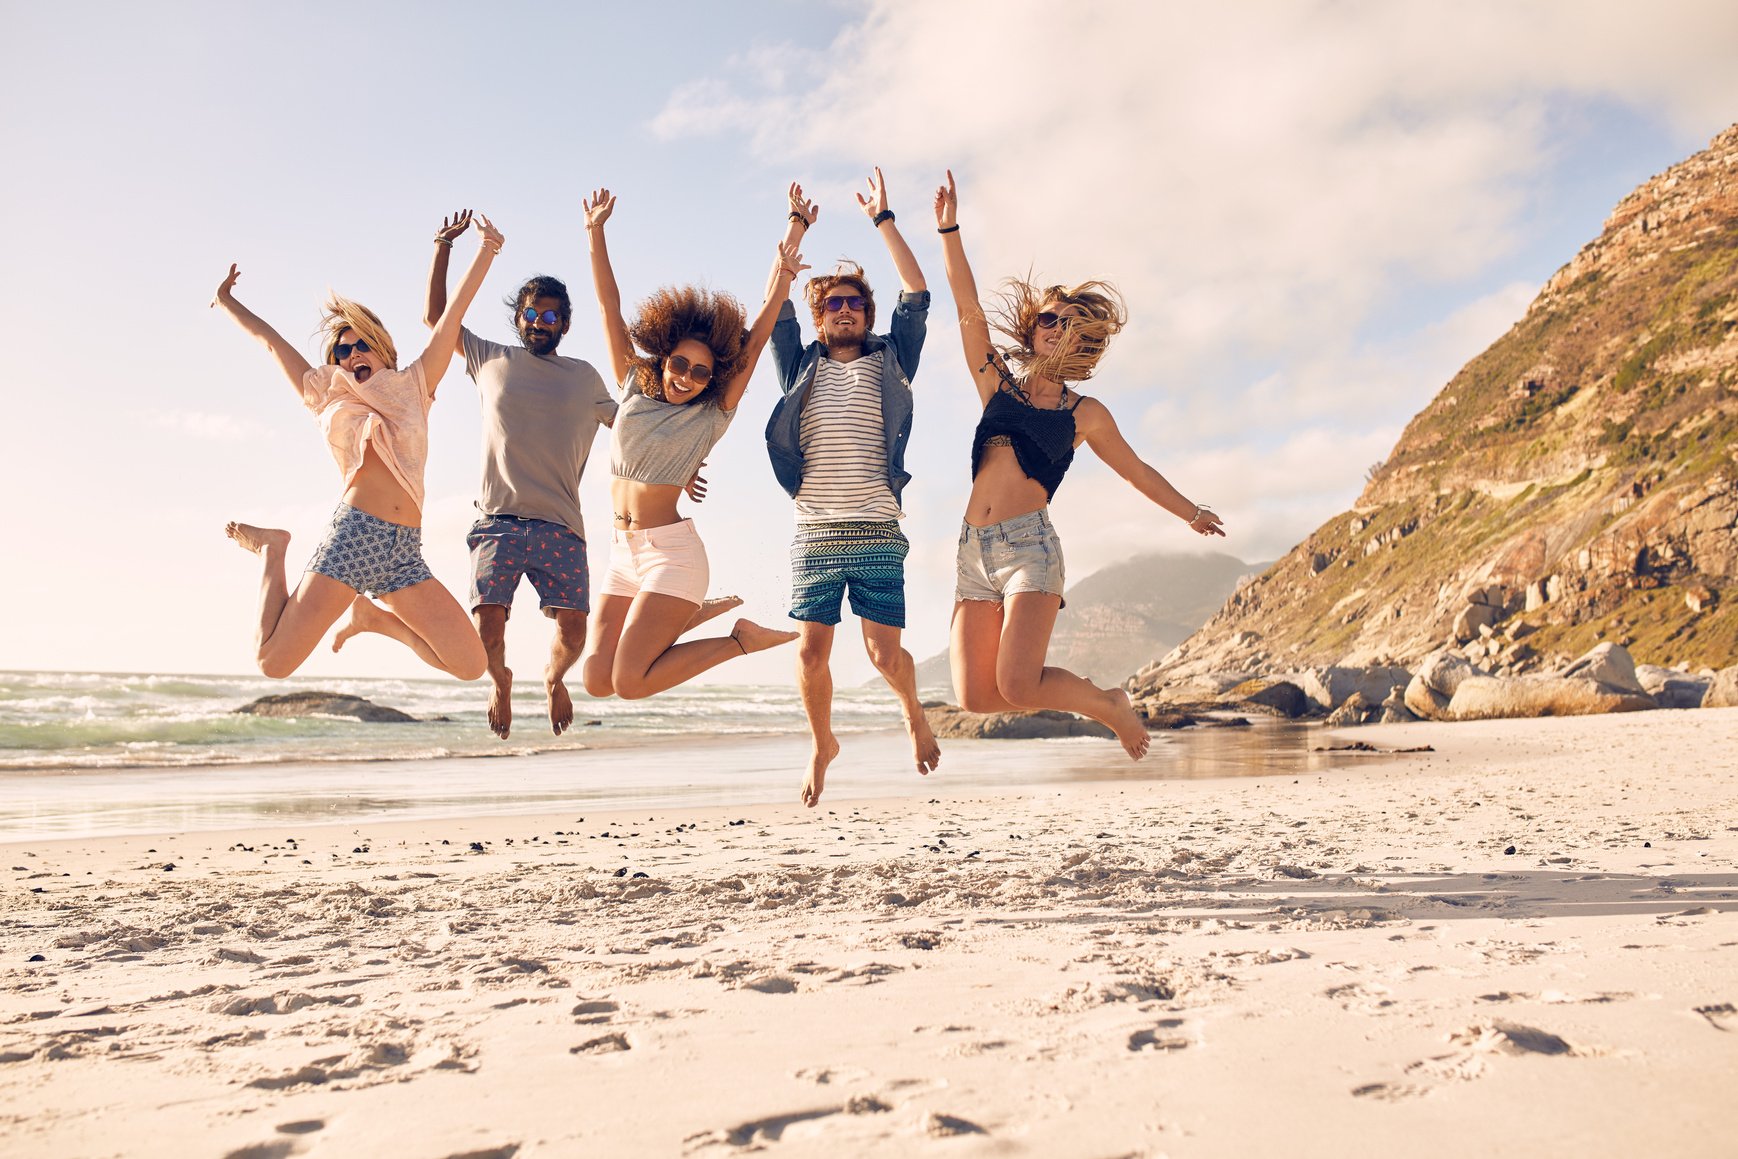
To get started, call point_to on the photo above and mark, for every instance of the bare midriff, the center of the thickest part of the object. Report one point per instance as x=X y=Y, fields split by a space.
x=375 y=491
x=1002 y=490
x=638 y=506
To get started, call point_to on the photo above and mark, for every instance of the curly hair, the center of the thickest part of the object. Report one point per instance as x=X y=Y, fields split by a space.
x=845 y=274
x=341 y=314
x=674 y=313
x=1016 y=317
x=540 y=286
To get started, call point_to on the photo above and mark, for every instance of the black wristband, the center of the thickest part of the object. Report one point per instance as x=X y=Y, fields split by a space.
x=795 y=216
x=884 y=215
x=949 y=229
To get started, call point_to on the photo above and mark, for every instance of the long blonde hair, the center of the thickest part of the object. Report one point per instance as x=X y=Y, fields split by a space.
x=1018 y=305
x=342 y=314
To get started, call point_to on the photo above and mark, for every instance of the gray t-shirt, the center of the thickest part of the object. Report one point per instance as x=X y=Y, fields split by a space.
x=663 y=442
x=540 y=415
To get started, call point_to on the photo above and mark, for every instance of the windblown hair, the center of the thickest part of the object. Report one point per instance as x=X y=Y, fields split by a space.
x=678 y=312
x=541 y=286
x=342 y=314
x=1016 y=317
x=849 y=275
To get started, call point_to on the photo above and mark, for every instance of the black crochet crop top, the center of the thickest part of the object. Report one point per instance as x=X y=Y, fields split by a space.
x=1043 y=440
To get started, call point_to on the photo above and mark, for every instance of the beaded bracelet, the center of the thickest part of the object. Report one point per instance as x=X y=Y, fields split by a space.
x=884 y=215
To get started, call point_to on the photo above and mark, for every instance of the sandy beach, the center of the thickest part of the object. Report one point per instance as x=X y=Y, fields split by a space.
x=1522 y=942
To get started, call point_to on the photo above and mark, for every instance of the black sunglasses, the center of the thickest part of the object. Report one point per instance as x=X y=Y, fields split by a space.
x=1049 y=320
x=344 y=349
x=549 y=317
x=697 y=372
x=834 y=305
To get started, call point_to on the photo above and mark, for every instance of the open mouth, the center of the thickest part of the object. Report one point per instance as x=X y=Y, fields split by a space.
x=361 y=372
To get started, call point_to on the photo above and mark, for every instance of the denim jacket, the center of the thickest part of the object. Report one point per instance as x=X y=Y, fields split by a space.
x=796 y=366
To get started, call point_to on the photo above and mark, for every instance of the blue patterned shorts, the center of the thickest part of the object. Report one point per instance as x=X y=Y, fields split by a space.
x=370 y=555
x=866 y=557
x=508 y=548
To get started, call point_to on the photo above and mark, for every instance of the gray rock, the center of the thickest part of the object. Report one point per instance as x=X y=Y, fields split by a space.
x=1394 y=710
x=1356 y=710
x=1472 y=618
x=1672 y=689
x=1499 y=697
x=950 y=721
x=325 y=704
x=1609 y=664
x=1442 y=671
x=1425 y=702
x=1331 y=687
x=1723 y=689
x=1281 y=697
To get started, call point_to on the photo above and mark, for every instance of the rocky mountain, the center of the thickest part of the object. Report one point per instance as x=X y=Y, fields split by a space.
x=1120 y=617
x=1576 y=482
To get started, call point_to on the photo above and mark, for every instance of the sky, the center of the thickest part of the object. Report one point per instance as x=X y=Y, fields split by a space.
x=1317 y=212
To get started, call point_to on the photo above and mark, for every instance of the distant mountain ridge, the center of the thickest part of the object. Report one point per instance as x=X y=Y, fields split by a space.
x=1120 y=617
x=1576 y=481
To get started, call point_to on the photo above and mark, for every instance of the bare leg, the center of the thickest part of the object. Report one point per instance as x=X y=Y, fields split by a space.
x=425 y=618
x=976 y=642
x=716 y=606
x=815 y=686
x=491 y=620
x=897 y=668
x=563 y=653
x=289 y=625
x=648 y=660
x=1024 y=680
x=596 y=666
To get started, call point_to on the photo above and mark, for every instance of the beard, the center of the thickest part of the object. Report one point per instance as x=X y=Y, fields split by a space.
x=539 y=341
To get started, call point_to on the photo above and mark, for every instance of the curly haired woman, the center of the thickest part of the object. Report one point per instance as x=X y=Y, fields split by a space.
x=678 y=398
x=375 y=418
x=1010 y=575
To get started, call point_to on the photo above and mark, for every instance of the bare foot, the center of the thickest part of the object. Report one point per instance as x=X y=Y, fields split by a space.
x=362 y=617
x=923 y=747
x=501 y=702
x=560 y=704
x=256 y=539
x=751 y=637
x=711 y=608
x=825 y=751
x=1130 y=729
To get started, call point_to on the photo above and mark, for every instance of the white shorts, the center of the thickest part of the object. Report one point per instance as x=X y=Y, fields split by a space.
x=668 y=560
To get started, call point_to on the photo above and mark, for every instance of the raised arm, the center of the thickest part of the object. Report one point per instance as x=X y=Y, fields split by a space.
x=1099 y=431
x=974 y=329
x=787 y=264
x=598 y=208
x=436 y=303
x=803 y=214
x=290 y=360
x=445 y=339
x=875 y=206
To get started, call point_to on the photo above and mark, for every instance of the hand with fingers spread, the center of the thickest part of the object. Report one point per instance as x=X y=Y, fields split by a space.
x=875 y=204
x=789 y=261
x=223 y=290
x=802 y=208
x=492 y=237
x=452 y=226
x=696 y=488
x=947 y=204
x=598 y=208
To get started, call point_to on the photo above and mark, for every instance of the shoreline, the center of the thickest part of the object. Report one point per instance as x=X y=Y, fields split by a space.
x=1182 y=967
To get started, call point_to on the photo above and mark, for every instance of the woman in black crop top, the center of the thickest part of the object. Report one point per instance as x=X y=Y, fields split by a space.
x=1010 y=560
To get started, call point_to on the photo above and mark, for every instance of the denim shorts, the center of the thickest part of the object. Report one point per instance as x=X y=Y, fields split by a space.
x=668 y=560
x=865 y=557
x=370 y=555
x=507 y=548
x=1017 y=555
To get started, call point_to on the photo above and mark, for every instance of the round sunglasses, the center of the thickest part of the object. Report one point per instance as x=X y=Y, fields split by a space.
x=548 y=317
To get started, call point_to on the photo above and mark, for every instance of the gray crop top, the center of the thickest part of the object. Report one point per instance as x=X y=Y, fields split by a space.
x=661 y=442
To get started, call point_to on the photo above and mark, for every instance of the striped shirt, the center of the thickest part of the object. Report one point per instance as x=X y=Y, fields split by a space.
x=844 y=448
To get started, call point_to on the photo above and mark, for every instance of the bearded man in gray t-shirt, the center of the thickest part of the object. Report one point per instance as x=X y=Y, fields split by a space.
x=541 y=411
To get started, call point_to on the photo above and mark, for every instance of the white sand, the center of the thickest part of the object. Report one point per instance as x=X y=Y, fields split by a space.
x=1344 y=963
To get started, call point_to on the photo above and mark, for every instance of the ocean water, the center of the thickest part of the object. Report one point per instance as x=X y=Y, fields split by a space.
x=94 y=754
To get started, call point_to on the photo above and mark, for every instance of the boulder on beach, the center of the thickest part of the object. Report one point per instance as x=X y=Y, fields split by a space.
x=1278 y=697
x=1330 y=687
x=951 y=721
x=1723 y=689
x=1501 y=697
x=1608 y=664
x=1671 y=688
x=326 y=704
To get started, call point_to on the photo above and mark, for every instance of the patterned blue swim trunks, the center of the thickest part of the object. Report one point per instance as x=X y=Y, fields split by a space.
x=868 y=558
x=506 y=548
x=370 y=555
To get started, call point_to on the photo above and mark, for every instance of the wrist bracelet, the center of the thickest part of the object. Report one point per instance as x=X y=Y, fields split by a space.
x=949 y=229
x=494 y=249
x=795 y=216
x=884 y=215
x=446 y=241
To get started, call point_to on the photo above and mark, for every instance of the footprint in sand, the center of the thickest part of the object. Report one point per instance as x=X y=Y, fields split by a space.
x=592 y=1013
x=607 y=1044
x=1723 y=1016
x=1163 y=1037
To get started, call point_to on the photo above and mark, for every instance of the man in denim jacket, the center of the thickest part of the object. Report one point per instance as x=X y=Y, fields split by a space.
x=837 y=441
